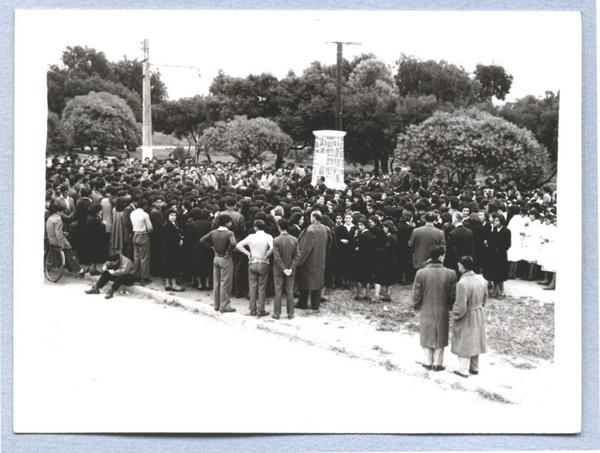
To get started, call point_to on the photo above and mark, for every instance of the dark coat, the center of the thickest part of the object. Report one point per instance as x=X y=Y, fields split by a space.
x=343 y=251
x=404 y=255
x=468 y=330
x=422 y=240
x=156 y=242
x=202 y=257
x=364 y=257
x=480 y=235
x=90 y=241
x=496 y=265
x=172 y=247
x=460 y=243
x=433 y=295
x=387 y=272
x=310 y=273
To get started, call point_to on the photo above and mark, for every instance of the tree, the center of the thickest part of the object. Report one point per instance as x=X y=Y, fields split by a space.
x=416 y=109
x=101 y=120
x=460 y=144
x=86 y=61
x=56 y=138
x=539 y=115
x=63 y=86
x=253 y=96
x=445 y=81
x=493 y=81
x=185 y=118
x=307 y=102
x=129 y=73
x=370 y=114
x=84 y=70
x=247 y=139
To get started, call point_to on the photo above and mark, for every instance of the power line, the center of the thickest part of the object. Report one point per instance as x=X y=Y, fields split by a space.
x=176 y=66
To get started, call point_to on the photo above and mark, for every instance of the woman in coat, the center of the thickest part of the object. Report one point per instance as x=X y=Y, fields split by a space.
x=344 y=236
x=386 y=271
x=172 y=246
x=91 y=241
x=496 y=266
x=364 y=257
x=468 y=329
x=116 y=232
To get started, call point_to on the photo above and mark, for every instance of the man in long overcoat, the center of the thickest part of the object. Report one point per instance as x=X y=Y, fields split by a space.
x=433 y=296
x=423 y=239
x=310 y=271
x=468 y=331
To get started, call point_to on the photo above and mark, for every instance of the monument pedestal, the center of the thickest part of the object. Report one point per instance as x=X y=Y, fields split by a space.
x=146 y=152
x=328 y=159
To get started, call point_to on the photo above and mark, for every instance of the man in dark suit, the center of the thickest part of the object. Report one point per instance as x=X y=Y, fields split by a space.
x=423 y=239
x=310 y=275
x=404 y=256
x=285 y=253
x=460 y=243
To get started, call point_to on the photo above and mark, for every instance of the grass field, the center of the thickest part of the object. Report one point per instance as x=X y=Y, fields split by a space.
x=515 y=326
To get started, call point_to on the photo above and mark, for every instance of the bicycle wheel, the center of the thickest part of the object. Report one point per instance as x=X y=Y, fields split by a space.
x=54 y=264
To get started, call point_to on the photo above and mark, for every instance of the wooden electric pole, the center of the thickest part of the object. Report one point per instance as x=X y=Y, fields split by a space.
x=338 y=86
x=147 y=106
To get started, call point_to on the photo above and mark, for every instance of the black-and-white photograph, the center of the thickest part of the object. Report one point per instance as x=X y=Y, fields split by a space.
x=297 y=222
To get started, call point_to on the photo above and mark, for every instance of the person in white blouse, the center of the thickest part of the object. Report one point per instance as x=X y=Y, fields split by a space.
x=516 y=225
x=531 y=242
x=547 y=252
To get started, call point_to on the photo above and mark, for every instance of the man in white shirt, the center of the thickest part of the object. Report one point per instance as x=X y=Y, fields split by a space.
x=142 y=227
x=258 y=247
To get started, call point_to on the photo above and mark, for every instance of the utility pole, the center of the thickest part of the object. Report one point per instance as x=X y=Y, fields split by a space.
x=338 y=86
x=147 y=106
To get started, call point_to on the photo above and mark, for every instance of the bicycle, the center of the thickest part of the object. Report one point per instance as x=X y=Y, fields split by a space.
x=54 y=263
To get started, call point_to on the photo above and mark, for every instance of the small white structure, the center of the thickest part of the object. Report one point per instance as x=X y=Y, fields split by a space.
x=328 y=160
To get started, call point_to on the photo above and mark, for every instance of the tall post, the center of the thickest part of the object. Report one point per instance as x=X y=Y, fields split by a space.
x=338 y=88
x=147 y=106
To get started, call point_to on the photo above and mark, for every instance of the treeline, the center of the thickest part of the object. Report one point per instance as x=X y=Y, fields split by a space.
x=381 y=105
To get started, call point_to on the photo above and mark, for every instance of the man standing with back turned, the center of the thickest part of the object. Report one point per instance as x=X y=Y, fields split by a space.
x=433 y=295
x=468 y=331
x=423 y=239
x=285 y=252
x=223 y=243
x=310 y=275
x=260 y=245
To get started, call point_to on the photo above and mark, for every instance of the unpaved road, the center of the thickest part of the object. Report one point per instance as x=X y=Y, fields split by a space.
x=86 y=364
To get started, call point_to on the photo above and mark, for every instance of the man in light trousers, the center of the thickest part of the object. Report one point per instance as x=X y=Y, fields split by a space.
x=258 y=247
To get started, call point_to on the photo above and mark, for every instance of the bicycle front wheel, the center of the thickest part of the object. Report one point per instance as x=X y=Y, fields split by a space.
x=54 y=264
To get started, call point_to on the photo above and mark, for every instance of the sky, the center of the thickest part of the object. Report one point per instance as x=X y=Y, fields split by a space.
x=529 y=45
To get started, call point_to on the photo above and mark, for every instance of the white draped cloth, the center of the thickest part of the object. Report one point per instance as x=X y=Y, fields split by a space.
x=516 y=226
x=547 y=256
x=532 y=242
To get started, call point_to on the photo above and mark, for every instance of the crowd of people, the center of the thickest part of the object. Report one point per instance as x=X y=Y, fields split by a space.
x=252 y=230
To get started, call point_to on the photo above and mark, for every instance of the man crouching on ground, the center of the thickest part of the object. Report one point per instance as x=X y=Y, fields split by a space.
x=118 y=270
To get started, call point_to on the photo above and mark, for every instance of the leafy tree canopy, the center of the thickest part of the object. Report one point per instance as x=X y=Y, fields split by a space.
x=460 y=144
x=445 y=81
x=84 y=70
x=246 y=139
x=539 y=115
x=493 y=81
x=100 y=120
